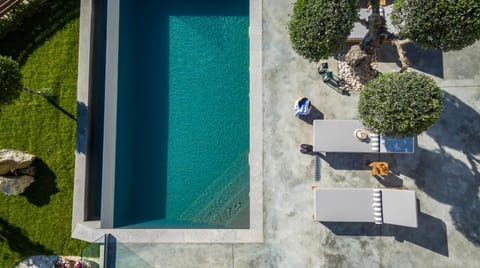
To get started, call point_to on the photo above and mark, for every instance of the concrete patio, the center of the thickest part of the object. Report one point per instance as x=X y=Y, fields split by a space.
x=444 y=173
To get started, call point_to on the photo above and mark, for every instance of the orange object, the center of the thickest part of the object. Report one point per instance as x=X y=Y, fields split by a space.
x=379 y=168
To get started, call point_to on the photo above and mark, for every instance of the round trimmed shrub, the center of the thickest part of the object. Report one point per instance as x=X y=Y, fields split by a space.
x=319 y=28
x=446 y=25
x=10 y=80
x=400 y=104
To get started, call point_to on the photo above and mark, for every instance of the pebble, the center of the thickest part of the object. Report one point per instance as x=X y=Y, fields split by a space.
x=353 y=82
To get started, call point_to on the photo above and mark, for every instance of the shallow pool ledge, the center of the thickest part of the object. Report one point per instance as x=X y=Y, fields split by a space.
x=90 y=230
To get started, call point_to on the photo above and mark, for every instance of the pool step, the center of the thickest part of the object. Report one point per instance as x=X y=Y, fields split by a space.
x=236 y=205
x=228 y=203
x=218 y=194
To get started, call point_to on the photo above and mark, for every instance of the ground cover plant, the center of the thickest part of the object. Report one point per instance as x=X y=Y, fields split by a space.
x=39 y=221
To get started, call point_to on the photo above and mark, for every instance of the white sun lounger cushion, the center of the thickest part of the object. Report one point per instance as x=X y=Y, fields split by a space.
x=394 y=206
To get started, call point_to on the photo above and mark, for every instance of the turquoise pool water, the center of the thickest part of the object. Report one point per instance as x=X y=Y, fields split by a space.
x=183 y=114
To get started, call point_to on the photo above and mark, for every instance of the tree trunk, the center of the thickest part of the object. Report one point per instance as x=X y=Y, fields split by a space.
x=360 y=63
x=361 y=57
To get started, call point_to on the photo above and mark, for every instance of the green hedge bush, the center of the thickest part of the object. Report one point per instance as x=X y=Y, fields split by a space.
x=10 y=80
x=319 y=28
x=400 y=104
x=446 y=25
x=18 y=14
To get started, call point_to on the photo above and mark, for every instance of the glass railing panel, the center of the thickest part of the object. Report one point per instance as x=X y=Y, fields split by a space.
x=126 y=258
x=92 y=255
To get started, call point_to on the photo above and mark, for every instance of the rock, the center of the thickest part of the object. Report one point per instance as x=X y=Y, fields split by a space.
x=30 y=171
x=15 y=184
x=11 y=160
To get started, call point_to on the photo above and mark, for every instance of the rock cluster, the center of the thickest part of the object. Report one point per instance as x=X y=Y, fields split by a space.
x=355 y=78
x=15 y=184
x=16 y=172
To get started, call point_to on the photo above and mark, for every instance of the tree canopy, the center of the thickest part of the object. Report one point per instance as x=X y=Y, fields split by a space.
x=400 y=104
x=319 y=28
x=10 y=80
x=447 y=25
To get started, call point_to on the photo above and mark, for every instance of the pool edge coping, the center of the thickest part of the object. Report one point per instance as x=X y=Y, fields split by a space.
x=91 y=231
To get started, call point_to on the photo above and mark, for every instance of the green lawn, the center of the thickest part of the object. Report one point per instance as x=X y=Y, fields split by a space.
x=39 y=221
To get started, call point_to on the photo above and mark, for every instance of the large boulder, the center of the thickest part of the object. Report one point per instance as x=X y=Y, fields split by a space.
x=15 y=184
x=11 y=160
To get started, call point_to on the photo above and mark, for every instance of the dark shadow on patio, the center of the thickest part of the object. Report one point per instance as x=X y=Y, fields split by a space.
x=314 y=114
x=430 y=234
x=44 y=186
x=429 y=61
x=391 y=180
x=446 y=178
x=361 y=161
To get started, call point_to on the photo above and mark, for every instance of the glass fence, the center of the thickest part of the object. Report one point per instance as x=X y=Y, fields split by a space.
x=107 y=252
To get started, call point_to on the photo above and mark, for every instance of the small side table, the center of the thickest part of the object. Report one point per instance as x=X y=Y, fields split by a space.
x=379 y=168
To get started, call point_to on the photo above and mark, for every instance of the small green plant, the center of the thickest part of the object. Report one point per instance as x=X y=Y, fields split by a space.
x=400 y=104
x=319 y=28
x=10 y=80
x=446 y=25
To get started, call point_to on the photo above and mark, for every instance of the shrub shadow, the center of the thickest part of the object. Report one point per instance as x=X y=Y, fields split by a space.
x=44 y=186
x=430 y=234
x=17 y=241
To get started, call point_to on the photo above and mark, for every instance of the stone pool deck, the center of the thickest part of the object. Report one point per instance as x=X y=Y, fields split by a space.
x=444 y=172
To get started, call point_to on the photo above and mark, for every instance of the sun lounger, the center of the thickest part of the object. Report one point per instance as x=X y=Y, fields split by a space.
x=340 y=136
x=390 y=206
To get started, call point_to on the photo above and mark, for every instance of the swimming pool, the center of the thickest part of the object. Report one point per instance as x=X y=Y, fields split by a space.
x=182 y=116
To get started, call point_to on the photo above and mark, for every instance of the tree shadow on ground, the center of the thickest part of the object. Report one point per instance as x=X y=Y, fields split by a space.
x=19 y=242
x=349 y=161
x=446 y=178
x=34 y=30
x=314 y=114
x=429 y=61
x=430 y=234
x=44 y=186
x=54 y=103
x=449 y=181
